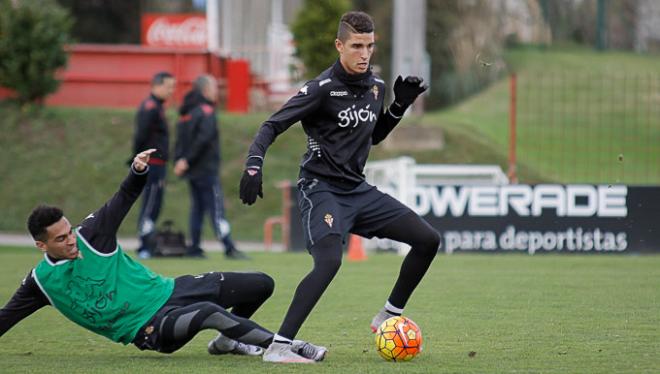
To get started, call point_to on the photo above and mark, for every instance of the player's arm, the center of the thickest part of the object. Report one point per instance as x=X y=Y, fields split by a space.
x=305 y=102
x=405 y=93
x=298 y=107
x=25 y=301
x=145 y=117
x=100 y=228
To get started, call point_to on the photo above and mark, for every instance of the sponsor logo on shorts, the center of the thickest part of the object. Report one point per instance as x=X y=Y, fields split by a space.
x=328 y=219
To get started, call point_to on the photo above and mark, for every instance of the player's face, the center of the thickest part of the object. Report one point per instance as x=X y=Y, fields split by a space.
x=355 y=52
x=210 y=92
x=165 y=90
x=61 y=241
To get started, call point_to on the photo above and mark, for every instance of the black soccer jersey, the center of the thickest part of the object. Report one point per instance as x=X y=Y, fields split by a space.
x=343 y=115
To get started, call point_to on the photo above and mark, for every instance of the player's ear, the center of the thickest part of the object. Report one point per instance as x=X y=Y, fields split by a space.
x=41 y=245
x=339 y=45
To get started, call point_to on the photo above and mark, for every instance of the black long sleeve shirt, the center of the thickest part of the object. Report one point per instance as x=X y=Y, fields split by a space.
x=343 y=115
x=198 y=141
x=99 y=229
x=151 y=130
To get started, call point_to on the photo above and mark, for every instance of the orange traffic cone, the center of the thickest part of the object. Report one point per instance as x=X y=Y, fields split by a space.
x=355 y=249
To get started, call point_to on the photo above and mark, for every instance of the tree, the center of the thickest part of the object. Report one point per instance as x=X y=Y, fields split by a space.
x=32 y=38
x=314 y=31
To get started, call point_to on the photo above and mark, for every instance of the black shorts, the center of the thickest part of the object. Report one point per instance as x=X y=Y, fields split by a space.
x=326 y=210
x=192 y=289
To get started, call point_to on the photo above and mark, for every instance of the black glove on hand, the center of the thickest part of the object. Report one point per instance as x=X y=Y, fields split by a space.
x=251 y=184
x=407 y=90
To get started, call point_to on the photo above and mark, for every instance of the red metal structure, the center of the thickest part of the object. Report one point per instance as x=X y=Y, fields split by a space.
x=238 y=86
x=120 y=75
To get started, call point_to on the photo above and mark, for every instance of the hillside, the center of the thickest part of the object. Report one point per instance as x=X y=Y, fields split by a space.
x=578 y=111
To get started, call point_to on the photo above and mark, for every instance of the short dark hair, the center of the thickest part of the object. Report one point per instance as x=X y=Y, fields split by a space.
x=42 y=217
x=354 y=22
x=160 y=77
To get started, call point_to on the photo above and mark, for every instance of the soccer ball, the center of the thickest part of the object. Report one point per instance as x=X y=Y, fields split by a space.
x=398 y=339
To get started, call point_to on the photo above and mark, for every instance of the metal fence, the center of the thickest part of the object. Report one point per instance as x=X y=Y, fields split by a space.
x=576 y=127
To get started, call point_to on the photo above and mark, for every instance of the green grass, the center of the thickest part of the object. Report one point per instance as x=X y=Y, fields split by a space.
x=519 y=313
x=578 y=110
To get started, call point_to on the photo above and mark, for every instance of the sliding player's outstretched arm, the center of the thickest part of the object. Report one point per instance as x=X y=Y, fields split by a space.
x=100 y=228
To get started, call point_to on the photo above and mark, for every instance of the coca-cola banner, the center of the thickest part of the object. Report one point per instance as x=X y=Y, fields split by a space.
x=174 y=30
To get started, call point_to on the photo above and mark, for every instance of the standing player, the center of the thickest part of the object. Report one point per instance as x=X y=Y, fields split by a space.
x=343 y=114
x=197 y=154
x=87 y=277
x=151 y=132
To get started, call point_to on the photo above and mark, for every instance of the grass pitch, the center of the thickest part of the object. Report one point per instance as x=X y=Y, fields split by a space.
x=478 y=313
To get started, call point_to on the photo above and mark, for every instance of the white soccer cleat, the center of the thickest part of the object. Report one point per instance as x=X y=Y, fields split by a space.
x=379 y=318
x=223 y=345
x=282 y=353
x=309 y=350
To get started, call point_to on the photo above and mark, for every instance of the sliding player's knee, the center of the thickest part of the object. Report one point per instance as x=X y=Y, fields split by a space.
x=265 y=283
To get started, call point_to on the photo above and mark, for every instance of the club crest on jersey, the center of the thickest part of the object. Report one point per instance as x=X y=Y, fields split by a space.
x=354 y=116
x=374 y=90
x=328 y=219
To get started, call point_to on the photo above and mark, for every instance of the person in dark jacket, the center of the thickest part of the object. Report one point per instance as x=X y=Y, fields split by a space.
x=343 y=114
x=197 y=154
x=151 y=132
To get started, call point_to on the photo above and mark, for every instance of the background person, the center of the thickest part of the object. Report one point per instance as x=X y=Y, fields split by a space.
x=197 y=154
x=151 y=132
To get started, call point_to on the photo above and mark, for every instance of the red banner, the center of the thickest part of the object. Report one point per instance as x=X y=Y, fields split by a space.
x=174 y=30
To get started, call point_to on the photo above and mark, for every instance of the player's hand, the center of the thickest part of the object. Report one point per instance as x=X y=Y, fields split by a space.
x=180 y=167
x=251 y=185
x=141 y=160
x=407 y=90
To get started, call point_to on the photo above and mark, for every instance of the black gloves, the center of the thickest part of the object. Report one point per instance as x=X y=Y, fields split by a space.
x=407 y=90
x=251 y=184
